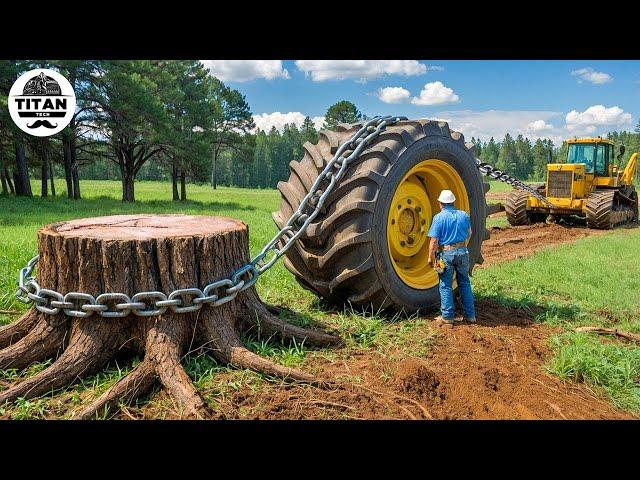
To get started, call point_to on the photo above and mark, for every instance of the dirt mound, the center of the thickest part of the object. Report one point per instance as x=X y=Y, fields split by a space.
x=509 y=243
x=414 y=377
x=494 y=369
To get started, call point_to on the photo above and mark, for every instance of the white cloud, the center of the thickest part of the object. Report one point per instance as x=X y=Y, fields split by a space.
x=597 y=117
x=245 y=70
x=588 y=74
x=393 y=94
x=361 y=70
x=539 y=126
x=265 y=121
x=496 y=123
x=435 y=68
x=435 y=93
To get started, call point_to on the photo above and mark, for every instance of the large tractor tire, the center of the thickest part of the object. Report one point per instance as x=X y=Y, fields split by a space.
x=369 y=246
x=515 y=206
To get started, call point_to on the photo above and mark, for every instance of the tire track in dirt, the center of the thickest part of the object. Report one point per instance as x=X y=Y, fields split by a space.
x=510 y=243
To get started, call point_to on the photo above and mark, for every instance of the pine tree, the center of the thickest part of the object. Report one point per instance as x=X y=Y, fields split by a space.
x=490 y=152
x=507 y=160
x=341 y=112
x=308 y=131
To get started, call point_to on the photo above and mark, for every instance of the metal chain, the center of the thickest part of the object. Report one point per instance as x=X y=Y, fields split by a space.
x=185 y=300
x=490 y=171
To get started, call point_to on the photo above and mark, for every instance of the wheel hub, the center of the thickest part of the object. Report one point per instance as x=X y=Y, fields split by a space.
x=411 y=211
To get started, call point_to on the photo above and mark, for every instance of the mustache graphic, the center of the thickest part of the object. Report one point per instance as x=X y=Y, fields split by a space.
x=42 y=123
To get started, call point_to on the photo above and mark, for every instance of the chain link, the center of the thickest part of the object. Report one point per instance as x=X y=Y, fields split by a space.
x=186 y=300
x=492 y=172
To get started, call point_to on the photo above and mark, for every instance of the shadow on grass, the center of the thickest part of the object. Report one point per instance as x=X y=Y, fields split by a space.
x=491 y=310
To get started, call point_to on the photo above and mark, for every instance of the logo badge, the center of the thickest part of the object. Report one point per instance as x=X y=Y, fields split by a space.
x=42 y=102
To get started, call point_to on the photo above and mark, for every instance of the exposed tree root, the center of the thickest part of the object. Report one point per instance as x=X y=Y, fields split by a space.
x=72 y=365
x=267 y=322
x=634 y=337
x=231 y=350
x=15 y=331
x=243 y=358
x=41 y=343
x=164 y=342
x=133 y=386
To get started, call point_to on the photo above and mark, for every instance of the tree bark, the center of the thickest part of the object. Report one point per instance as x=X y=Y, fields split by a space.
x=44 y=173
x=9 y=181
x=21 y=173
x=51 y=179
x=183 y=187
x=130 y=254
x=66 y=156
x=214 y=170
x=74 y=161
x=174 y=181
x=3 y=179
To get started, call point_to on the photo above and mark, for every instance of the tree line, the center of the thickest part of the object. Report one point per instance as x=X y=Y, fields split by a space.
x=171 y=120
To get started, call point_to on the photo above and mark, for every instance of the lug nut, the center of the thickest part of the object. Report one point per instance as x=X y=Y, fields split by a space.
x=418 y=209
x=409 y=201
x=393 y=221
x=402 y=244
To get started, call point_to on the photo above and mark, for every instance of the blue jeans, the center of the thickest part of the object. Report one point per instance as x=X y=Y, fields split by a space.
x=456 y=260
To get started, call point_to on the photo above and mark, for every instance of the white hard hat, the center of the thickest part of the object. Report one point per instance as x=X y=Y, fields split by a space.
x=446 y=196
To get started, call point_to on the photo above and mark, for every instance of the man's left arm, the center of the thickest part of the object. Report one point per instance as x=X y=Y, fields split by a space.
x=434 y=233
x=433 y=247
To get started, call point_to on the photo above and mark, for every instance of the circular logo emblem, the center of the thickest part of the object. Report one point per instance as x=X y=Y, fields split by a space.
x=42 y=102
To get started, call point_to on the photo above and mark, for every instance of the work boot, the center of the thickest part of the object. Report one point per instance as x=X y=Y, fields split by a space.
x=439 y=321
x=469 y=320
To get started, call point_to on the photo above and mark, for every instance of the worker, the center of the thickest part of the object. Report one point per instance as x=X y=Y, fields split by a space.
x=449 y=230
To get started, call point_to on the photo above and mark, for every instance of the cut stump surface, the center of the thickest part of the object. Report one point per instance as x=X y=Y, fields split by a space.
x=129 y=254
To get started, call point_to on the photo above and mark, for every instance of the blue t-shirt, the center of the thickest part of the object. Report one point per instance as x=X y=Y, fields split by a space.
x=450 y=226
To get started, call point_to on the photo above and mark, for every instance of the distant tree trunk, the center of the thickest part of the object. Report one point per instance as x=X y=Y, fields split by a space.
x=53 y=185
x=76 y=183
x=174 y=181
x=9 y=181
x=66 y=156
x=128 y=191
x=44 y=178
x=21 y=173
x=214 y=169
x=183 y=187
x=74 y=161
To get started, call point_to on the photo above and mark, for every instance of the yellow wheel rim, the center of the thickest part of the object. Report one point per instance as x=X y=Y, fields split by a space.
x=413 y=206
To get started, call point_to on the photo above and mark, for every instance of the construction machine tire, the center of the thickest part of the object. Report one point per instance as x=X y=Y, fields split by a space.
x=630 y=192
x=515 y=206
x=599 y=208
x=345 y=255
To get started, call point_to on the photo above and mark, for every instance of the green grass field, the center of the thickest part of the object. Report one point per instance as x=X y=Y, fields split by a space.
x=595 y=281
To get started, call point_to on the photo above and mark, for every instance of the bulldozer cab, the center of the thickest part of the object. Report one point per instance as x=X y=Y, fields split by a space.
x=597 y=154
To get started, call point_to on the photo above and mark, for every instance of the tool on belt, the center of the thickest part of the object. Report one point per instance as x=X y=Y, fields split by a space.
x=439 y=266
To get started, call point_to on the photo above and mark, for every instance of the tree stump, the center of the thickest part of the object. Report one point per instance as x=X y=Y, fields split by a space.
x=130 y=254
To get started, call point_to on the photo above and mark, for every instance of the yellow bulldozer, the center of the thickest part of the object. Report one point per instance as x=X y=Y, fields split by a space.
x=589 y=186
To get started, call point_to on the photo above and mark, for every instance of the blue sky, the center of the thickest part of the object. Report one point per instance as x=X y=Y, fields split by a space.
x=553 y=99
